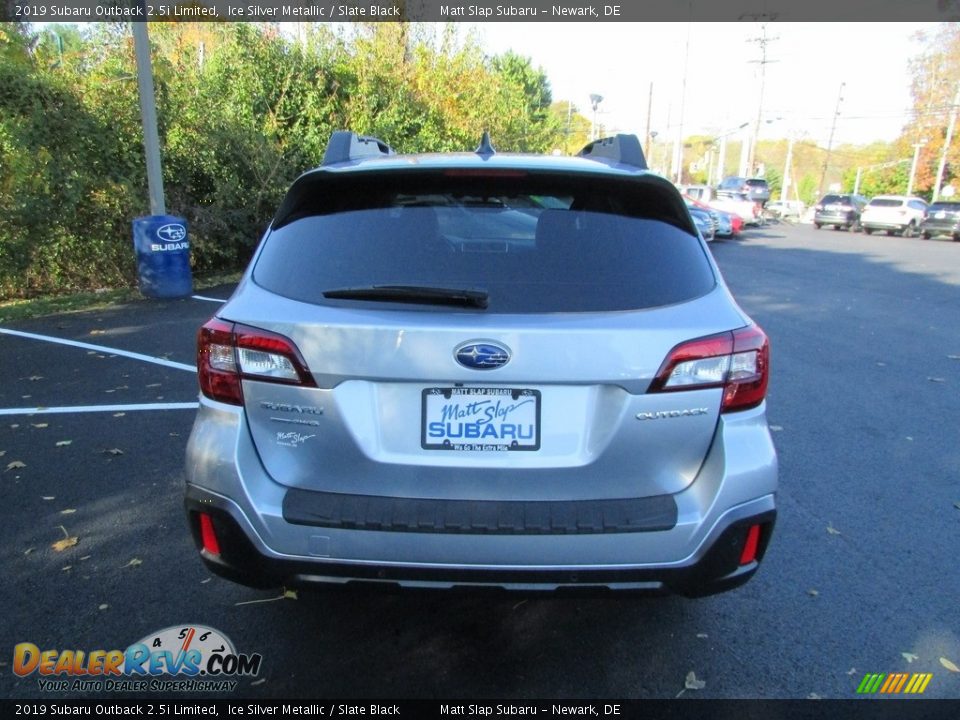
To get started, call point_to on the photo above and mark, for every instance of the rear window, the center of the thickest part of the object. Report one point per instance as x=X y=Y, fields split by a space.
x=549 y=246
x=945 y=206
x=757 y=183
x=886 y=202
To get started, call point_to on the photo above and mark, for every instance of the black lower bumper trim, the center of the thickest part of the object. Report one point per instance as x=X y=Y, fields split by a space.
x=486 y=517
x=716 y=571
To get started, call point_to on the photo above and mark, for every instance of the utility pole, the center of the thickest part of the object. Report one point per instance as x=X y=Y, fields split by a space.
x=683 y=100
x=913 y=166
x=763 y=41
x=148 y=113
x=646 y=150
x=946 y=145
x=786 y=170
x=833 y=127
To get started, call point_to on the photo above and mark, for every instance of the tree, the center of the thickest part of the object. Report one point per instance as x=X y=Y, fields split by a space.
x=936 y=78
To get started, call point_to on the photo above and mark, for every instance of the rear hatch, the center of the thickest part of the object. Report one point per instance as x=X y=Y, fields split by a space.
x=885 y=210
x=483 y=337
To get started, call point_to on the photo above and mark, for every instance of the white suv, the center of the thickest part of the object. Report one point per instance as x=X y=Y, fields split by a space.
x=895 y=214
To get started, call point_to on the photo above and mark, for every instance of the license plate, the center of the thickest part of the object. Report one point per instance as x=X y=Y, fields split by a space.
x=480 y=418
x=833 y=208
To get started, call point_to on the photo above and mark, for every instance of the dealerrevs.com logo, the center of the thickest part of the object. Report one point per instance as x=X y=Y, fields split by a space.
x=180 y=658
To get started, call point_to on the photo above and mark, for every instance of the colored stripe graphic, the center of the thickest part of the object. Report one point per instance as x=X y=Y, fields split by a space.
x=894 y=683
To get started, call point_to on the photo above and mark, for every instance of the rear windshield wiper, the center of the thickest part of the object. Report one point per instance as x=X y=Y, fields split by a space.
x=413 y=294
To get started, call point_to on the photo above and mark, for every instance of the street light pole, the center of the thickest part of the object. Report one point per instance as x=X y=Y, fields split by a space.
x=148 y=112
x=833 y=127
x=595 y=101
x=946 y=145
x=913 y=166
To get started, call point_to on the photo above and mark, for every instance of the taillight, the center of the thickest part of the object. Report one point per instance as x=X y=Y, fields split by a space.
x=737 y=361
x=228 y=352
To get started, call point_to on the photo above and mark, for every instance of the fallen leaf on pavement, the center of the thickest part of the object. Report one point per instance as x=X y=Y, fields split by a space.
x=909 y=657
x=949 y=665
x=98 y=332
x=2 y=453
x=702 y=636
x=851 y=671
x=957 y=504
x=103 y=607
x=68 y=511
x=48 y=497
x=28 y=551
x=204 y=582
x=832 y=530
x=86 y=557
x=290 y=594
x=936 y=379
x=134 y=562
x=113 y=451
x=119 y=414
x=66 y=567
x=261 y=681
x=691 y=682
x=40 y=425
x=34 y=378
x=68 y=542
x=813 y=696
x=63 y=443
x=813 y=593
x=16 y=465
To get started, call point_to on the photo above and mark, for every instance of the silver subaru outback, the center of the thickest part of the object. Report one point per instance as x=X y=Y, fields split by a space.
x=483 y=370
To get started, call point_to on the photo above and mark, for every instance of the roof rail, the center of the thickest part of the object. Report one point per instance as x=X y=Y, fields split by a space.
x=624 y=149
x=345 y=146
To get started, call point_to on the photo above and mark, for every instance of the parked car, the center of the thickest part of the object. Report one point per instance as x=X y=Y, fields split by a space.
x=943 y=218
x=757 y=189
x=704 y=221
x=748 y=210
x=785 y=209
x=413 y=386
x=841 y=211
x=723 y=221
x=895 y=214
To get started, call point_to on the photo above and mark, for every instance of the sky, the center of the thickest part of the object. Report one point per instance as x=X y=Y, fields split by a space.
x=810 y=61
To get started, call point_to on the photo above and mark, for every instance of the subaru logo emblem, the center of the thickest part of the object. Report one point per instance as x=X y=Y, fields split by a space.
x=173 y=232
x=482 y=355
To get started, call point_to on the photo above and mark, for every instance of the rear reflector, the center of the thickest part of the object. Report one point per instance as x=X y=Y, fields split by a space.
x=749 y=553
x=208 y=535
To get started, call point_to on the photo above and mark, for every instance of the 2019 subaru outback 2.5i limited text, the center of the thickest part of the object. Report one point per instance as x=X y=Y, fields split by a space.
x=483 y=369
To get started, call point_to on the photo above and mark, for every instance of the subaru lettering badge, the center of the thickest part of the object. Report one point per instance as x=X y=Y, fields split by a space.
x=482 y=355
x=172 y=232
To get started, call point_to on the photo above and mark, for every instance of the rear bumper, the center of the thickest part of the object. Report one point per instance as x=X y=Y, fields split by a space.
x=940 y=227
x=882 y=224
x=688 y=543
x=719 y=568
x=839 y=218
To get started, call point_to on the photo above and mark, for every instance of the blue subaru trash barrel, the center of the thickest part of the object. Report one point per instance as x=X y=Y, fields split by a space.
x=163 y=256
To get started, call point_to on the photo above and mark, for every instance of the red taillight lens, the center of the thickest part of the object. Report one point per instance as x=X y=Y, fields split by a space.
x=208 y=535
x=227 y=353
x=737 y=361
x=217 y=363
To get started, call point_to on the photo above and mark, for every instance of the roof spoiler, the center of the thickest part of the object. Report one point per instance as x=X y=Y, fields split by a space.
x=623 y=149
x=345 y=146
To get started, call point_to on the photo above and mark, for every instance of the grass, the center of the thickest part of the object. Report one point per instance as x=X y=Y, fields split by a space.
x=13 y=310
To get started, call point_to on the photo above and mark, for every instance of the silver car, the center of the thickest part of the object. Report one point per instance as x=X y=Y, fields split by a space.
x=483 y=370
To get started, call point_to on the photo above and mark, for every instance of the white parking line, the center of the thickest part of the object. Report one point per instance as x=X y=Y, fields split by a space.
x=208 y=299
x=102 y=349
x=99 y=408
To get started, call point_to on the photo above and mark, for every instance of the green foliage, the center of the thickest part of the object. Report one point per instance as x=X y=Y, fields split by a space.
x=242 y=110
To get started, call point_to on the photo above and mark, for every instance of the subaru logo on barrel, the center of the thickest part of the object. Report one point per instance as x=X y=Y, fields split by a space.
x=172 y=232
x=482 y=355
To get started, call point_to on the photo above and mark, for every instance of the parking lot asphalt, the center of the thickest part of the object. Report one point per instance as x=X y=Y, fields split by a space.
x=861 y=575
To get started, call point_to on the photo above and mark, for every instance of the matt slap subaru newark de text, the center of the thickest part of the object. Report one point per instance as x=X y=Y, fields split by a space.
x=555 y=709
x=555 y=11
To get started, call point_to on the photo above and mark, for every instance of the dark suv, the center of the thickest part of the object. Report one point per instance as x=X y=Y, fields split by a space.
x=841 y=211
x=755 y=189
x=943 y=218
